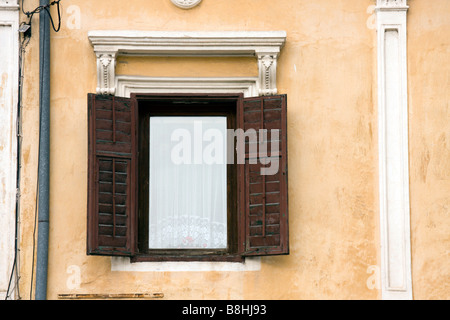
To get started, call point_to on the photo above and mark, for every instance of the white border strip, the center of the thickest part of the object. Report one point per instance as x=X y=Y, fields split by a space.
x=396 y=280
x=9 y=71
x=124 y=264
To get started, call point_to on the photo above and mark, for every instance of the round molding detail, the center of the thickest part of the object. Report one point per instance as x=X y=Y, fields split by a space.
x=186 y=4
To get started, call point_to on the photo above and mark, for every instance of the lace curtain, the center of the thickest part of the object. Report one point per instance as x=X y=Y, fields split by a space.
x=188 y=193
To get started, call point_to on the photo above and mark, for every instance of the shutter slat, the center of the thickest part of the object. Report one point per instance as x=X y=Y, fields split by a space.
x=106 y=124
x=107 y=219
x=270 y=230
x=265 y=195
x=112 y=163
x=120 y=116
x=106 y=136
x=106 y=208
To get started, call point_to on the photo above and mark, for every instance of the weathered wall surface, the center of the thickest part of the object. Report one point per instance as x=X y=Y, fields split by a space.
x=429 y=112
x=328 y=71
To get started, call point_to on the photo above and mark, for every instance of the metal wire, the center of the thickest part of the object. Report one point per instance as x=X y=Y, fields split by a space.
x=46 y=7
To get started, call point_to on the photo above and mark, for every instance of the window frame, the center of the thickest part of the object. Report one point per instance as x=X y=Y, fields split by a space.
x=112 y=135
x=185 y=105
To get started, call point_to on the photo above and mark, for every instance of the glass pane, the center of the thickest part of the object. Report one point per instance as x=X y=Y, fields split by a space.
x=188 y=183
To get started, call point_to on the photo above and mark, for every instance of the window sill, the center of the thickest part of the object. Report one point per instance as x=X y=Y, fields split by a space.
x=125 y=264
x=186 y=258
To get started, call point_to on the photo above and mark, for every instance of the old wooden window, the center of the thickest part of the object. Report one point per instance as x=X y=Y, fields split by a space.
x=142 y=205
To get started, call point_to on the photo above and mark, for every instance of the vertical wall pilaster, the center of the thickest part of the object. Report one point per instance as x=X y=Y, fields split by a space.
x=393 y=150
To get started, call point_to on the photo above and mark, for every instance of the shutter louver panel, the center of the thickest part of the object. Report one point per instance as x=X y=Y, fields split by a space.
x=113 y=126
x=113 y=201
x=265 y=196
x=111 y=178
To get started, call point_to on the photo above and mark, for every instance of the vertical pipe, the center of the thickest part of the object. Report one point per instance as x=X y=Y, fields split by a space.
x=44 y=154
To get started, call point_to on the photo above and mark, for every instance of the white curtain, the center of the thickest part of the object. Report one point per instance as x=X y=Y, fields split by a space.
x=188 y=183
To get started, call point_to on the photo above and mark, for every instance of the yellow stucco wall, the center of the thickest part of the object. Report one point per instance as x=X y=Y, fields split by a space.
x=328 y=71
x=429 y=116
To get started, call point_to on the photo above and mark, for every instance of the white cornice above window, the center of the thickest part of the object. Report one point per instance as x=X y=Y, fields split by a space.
x=264 y=45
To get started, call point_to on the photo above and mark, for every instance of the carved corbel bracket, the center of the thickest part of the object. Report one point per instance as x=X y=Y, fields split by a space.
x=106 y=70
x=267 y=65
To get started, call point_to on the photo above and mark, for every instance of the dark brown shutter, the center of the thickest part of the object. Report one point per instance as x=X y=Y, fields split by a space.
x=265 y=194
x=111 y=223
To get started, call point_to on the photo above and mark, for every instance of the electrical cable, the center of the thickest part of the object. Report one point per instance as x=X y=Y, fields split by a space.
x=59 y=16
x=23 y=44
x=46 y=7
x=21 y=7
x=34 y=230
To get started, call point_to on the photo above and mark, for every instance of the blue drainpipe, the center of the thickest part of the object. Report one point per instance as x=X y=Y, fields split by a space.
x=44 y=154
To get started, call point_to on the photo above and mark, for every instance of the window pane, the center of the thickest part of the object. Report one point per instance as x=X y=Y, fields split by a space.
x=188 y=183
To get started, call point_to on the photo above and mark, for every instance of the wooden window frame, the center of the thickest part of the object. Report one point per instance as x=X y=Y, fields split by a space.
x=259 y=226
x=185 y=105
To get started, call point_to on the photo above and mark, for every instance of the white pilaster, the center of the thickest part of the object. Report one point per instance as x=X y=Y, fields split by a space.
x=9 y=53
x=393 y=150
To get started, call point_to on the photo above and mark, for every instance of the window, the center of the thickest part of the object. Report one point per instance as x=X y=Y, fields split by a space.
x=179 y=177
x=188 y=192
x=188 y=198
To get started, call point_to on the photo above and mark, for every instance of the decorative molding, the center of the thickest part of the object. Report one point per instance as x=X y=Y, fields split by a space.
x=9 y=73
x=106 y=69
x=391 y=4
x=186 y=4
x=267 y=66
x=395 y=237
x=127 y=84
x=264 y=45
x=9 y=5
